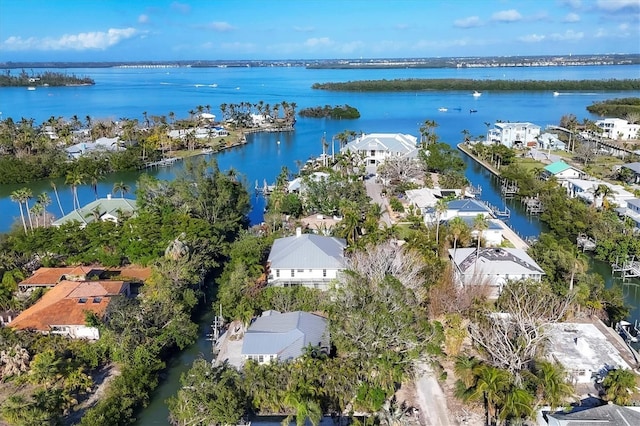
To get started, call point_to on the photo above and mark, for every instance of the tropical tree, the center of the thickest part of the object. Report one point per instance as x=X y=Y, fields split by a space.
x=55 y=191
x=619 y=385
x=480 y=223
x=441 y=207
x=552 y=386
x=457 y=227
x=74 y=179
x=26 y=196
x=18 y=196
x=44 y=200
x=490 y=385
x=120 y=187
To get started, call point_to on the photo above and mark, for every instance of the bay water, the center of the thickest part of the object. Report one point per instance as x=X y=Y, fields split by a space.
x=130 y=92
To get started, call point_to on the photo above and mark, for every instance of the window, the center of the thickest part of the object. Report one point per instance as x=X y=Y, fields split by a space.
x=324 y=272
x=293 y=273
x=300 y=271
x=372 y=153
x=82 y=300
x=97 y=299
x=261 y=358
x=277 y=273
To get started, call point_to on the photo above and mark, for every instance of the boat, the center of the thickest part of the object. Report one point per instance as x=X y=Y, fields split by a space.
x=627 y=331
x=556 y=93
x=471 y=111
x=31 y=88
x=442 y=109
x=476 y=94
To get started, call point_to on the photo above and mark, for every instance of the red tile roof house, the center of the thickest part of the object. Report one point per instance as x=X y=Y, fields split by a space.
x=74 y=293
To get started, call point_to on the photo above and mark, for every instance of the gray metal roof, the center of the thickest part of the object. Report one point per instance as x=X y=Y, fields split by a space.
x=307 y=251
x=285 y=334
x=467 y=205
x=605 y=415
x=111 y=206
x=494 y=261
x=632 y=166
x=389 y=142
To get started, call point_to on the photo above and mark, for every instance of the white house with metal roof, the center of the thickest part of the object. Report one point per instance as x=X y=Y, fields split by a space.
x=586 y=190
x=510 y=134
x=102 y=209
x=308 y=260
x=618 y=129
x=279 y=336
x=377 y=147
x=493 y=267
x=631 y=211
x=561 y=171
x=458 y=208
x=635 y=170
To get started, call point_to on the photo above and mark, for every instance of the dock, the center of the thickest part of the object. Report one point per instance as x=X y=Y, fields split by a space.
x=509 y=189
x=499 y=213
x=627 y=269
x=510 y=235
x=532 y=205
x=166 y=162
x=586 y=243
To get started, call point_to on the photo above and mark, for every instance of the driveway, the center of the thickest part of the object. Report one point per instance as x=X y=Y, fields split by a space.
x=433 y=405
x=374 y=190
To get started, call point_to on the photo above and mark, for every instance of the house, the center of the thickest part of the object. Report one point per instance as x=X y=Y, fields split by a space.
x=631 y=211
x=561 y=171
x=297 y=184
x=493 y=267
x=276 y=336
x=63 y=309
x=305 y=259
x=510 y=134
x=50 y=277
x=634 y=168
x=618 y=129
x=550 y=141
x=584 y=351
x=586 y=190
x=491 y=236
x=100 y=144
x=377 y=147
x=102 y=209
x=588 y=414
x=459 y=208
x=426 y=198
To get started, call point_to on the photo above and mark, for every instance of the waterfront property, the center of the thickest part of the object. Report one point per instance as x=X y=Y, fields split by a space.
x=584 y=351
x=606 y=414
x=64 y=308
x=276 y=336
x=631 y=211
x=634 y=169
x=550 y=141
x=561 y=171
x=306 y=260
x=493 y=267
x=100 y=144
x=102 y=209
x=587 y=190
x=514 y=134
x=426 y=198
x=491 y=236
x=297 y=184
x=458 y=208
x=618 y=129
x=377 y=147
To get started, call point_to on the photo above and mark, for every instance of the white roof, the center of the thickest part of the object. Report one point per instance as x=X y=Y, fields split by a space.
x=512 y=125
x=389 y=142
x=494 y=261
x=422 y=198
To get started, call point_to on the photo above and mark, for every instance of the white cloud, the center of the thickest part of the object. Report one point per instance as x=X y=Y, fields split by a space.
x=568 y=35
x=510 y=15
x=221 y=27
x=532 y=38
x=82 y=41
x=469 y=22
x=572 y=17
x=143 y=19
x=601 y=33
x=181 y=7
x=317 y=42
x=575 y=4
x=617 y=5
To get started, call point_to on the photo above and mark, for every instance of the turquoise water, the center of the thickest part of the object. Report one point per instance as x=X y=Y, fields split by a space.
x=130 y=92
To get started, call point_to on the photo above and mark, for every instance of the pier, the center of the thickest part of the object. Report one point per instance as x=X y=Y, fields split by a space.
x=585 y=243
x=532 y=205
x=627 y=269
x=509 y=189
x=166 y=162
x=499 y=213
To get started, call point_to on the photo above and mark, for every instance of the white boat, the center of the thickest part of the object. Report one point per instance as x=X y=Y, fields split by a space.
x=476 y=94
x=556 y=93
x=627 y=331
x=31 y=88
x=442 y=109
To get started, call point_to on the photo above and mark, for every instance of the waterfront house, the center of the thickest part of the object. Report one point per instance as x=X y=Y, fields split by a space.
x=109 y=208
x=634 y=168
x=583 y=350
x=64 y=308
x=586 y=190
x=101 y=144
x=493 y=267
x=276 y=336
x=50 y=277
x=297 y=184
x=426 y=198
x=468 y=208
x=631 y=211
x=305 y=260
x=510 y=134
x=550 y=141
x=618 y=129
x=491 y=236
x=561 y=171
x=377 y=147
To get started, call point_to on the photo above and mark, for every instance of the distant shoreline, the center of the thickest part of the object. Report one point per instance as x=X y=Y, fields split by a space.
x=370 y=63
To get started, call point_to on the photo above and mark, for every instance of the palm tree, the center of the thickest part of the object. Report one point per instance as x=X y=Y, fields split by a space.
x=94 y=176
x=491 y=385
x=17 y=196
x=457 y=227
x=518 y=404
x=120 y=187
x=26 y=196
x=619 y=385
x=480 y=223
x=441 y=208
x=74 y=178
x=44 y=200
x=37 y=209
x=55 y=191
x=552 y=385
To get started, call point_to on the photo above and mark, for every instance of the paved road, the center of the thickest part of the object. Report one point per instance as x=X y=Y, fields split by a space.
x=433 y=405
x=374 y=190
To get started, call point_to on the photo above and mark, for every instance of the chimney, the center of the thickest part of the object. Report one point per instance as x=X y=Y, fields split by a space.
x=108 y=196
x=298 y=231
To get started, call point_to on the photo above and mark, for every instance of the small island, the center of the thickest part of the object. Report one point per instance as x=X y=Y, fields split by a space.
x=46 y=79
x=619 y=107
x=446 y=84
x=327 y=111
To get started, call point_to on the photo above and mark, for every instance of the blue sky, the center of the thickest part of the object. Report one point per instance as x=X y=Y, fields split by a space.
x=125 y=30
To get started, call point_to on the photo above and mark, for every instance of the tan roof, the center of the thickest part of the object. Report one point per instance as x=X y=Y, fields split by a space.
x=46 y=276
x=51 y=276
x=134 y=271
x=58 y=306
x=97 y=288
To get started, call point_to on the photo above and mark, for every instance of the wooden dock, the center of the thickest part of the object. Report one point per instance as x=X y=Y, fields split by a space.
x=166 y=162
x=627 y=269
x=585 y=243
